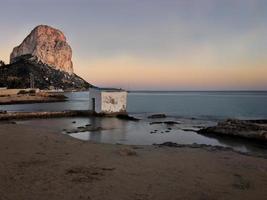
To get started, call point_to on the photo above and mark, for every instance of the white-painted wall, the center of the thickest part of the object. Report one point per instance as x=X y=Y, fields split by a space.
x=94 y=93
x=108 y=102
x=114 y=102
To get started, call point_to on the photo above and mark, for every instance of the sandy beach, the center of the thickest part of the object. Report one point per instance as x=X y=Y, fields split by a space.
x=40 y=164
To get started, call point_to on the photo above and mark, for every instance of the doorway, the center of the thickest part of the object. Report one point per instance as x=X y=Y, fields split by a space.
x=93 y=104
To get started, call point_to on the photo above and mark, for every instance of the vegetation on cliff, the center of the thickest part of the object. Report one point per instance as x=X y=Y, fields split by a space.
x=27 y=71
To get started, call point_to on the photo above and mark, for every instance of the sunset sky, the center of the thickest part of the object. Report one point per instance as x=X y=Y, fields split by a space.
x=152 y=44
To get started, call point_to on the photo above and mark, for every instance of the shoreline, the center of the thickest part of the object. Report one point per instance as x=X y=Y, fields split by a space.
x=34 y=160
x=249 y=130
x=28 y=98
x=53 y=114
x=47 y=100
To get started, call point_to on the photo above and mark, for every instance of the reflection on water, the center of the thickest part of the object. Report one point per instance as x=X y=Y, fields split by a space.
x=115 y=131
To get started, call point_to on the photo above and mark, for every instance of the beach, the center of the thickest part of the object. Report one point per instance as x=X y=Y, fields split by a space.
x=31 y=98
x=37 y=163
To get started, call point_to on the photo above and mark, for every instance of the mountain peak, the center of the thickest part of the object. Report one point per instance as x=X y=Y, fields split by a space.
x=50 y=47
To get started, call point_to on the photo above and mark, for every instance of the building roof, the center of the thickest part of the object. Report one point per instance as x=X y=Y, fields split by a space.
x=109 y=89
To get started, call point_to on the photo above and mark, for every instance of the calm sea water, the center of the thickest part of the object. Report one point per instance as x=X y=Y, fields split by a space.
x=192 y=110
x=207 y=105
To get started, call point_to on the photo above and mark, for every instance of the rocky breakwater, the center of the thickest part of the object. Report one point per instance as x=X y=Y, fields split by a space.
x=48 y=45
x=250 y=129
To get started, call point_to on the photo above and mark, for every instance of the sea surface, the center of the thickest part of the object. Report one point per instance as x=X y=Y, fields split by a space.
x=191 y=111
x=207 y=105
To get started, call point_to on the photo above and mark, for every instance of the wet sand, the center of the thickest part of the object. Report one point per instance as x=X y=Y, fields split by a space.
x=42 y=164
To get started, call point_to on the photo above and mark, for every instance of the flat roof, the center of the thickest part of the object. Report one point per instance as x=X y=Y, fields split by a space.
x=109 y=89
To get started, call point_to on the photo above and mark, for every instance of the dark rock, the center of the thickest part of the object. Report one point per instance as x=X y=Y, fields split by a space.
x=239 y=128
x=84 y=129
x=195 y=145
x=169 y=144
x=127 y=117
x=165 y=122
x=171 y=122
x=151 y=123
x=156 y=116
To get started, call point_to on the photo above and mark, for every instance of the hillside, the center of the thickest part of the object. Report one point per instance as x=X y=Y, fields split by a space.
x=17 y=75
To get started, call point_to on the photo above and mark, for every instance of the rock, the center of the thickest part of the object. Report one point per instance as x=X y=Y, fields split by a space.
x=43 y=57
x=240 y=128
x=151 y=123
x=156 y=116
x=165 y=122
x=48 y=45
x=127 y=117
x=2 y=63
x=81 y=129
x=169 y=144
x=171 y=122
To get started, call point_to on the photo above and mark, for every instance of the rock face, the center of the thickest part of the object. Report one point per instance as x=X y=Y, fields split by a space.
x=251 y=129
x=49 y=46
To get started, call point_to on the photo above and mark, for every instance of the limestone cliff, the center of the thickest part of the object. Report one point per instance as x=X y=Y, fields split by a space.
x=49 y=46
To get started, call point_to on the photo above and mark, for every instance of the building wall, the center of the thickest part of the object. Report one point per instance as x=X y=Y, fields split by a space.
x=93 y=93
x=114 y=102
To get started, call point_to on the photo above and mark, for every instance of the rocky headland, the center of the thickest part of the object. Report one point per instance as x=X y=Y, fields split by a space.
x=48 y=45
x=43 y=58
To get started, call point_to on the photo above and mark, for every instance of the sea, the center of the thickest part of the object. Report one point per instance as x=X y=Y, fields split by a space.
x=191 y=110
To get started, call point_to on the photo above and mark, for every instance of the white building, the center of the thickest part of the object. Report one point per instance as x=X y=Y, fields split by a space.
x=107 y=100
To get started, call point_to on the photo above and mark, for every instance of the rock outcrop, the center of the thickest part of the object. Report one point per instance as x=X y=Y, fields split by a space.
x=251 y=129
x=49 y=46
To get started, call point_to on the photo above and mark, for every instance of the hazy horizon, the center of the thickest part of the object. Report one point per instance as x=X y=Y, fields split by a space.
x=152 y=45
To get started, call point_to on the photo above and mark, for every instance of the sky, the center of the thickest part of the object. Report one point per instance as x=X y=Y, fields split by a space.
x=152 y=44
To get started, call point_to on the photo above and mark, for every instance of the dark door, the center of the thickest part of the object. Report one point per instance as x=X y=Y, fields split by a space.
x=93 y=104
